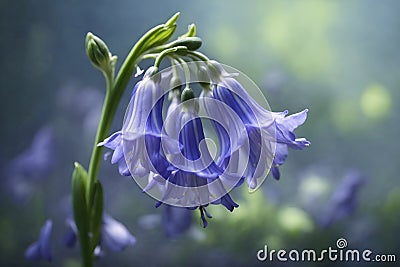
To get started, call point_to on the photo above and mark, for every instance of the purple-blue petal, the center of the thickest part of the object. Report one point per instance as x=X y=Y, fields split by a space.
x=227 y=201
x=118 y=154
x=112 y=141
x=275 y=172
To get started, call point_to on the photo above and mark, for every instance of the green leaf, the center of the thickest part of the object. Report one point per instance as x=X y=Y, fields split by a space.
x=80 y=206
x=96 y=214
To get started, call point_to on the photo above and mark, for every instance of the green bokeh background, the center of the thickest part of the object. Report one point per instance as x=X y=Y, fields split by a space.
x=340 y=59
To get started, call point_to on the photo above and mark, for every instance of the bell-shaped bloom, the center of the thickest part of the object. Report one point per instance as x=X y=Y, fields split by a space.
x=137 y=146
x=40 y=250
x=195 y=180
x=269 y=134
x=114 y=142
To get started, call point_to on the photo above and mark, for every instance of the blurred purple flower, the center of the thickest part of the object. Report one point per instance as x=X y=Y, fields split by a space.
x=114 y=235
x=343 y=201
x=39 y=159
x=40 y=250
x=33 y=164
x=176 y=220
x=70 y=237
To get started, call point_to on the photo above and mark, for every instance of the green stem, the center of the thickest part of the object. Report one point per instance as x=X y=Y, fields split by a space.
x=115 y=90
x=167 y=52
x=186 y=70
x=112 y=98
x=102 y=130
x=198 y=55
x=87 y=254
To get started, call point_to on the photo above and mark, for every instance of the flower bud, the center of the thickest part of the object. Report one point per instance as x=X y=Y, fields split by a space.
x=191 y=43
x=187 y=94
x=97 y=52
x=189 y=100
x=159 y=35
x=190 y=33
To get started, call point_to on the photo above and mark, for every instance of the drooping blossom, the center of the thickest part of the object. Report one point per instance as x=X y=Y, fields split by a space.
x=140 y=136
x=269 y=133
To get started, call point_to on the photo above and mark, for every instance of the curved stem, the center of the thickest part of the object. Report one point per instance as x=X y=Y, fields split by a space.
x=167 y=52
x=186 y=70
x=102 y=131
x=198 y=55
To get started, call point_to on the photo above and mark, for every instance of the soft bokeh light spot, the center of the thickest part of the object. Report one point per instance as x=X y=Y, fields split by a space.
x=313 y=187
x=294 y=220
x=376 y=101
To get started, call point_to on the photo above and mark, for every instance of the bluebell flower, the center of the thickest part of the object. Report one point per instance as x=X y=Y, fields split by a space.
x=176 y=220
x=114 y=235
x=40 y=250
x=269 y=134
x=140 y=136
x=195 y=179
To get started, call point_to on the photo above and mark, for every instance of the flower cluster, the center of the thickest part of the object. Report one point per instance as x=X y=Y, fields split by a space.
x=192 y=133
x=172 y=149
